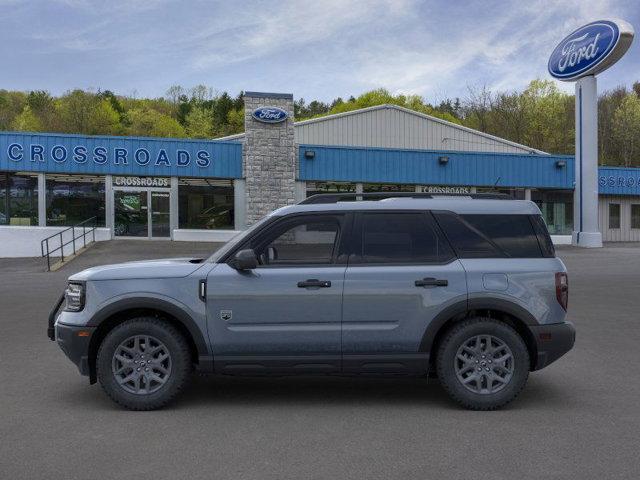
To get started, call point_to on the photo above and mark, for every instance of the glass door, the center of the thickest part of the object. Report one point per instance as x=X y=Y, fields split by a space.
x=160 y=225
x=131 y=213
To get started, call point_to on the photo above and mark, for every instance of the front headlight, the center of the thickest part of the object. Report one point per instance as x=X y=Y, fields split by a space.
x=74 y=297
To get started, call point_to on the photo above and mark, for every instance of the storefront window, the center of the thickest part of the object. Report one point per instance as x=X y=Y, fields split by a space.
x=516 y=193
x=205 y=204
x=387 y=187
x=18 y=199
x=314 y=188
x=557 y=209
x=72 y=199
x=614 y=215
x=635 y=215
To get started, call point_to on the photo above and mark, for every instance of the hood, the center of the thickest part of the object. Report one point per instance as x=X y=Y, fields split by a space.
x=165 y=268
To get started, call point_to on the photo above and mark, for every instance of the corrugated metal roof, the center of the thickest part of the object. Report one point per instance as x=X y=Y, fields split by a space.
x=392 y=126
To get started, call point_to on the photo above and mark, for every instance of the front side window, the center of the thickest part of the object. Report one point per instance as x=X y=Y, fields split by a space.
x=400 y=238
x=301 y=241
x=614 y=215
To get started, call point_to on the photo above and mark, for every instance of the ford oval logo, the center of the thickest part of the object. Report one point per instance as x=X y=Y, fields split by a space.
x=580 y=53
x=270 y=114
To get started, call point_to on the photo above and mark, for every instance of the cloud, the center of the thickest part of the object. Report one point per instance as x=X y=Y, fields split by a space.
x=317 y=49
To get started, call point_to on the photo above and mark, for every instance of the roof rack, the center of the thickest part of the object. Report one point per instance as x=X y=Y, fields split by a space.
x=352 y=196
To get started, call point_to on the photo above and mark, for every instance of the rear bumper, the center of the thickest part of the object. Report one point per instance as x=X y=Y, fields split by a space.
x=552 y=342
x=74 y=342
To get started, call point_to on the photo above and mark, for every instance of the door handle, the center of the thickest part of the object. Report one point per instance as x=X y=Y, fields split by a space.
x=312 y=282
x=431 y=282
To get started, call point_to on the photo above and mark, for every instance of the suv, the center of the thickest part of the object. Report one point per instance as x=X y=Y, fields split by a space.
x=466 y=288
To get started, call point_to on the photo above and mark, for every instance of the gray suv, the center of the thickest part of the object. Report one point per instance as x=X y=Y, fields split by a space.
x=465 y=288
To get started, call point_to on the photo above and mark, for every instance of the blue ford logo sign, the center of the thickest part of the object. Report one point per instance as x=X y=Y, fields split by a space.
x=270 y=114
x=590 y=49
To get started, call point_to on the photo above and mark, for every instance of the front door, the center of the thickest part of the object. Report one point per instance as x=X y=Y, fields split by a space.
x=285 y=315
x=142 y=213
x=401 y=275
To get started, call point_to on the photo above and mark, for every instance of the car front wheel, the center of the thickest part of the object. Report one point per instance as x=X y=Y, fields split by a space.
x=483 y=363
x=143 y=363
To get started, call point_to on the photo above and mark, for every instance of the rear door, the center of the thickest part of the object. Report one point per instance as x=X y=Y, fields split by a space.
x=401 y=274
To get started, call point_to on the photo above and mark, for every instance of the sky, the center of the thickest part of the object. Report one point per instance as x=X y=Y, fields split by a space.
x=319 y=49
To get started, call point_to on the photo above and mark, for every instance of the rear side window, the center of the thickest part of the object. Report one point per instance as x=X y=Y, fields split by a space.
x=466 y=240
x=513 y=234
x=544 y=240
x=493 y=236
x=401 y=238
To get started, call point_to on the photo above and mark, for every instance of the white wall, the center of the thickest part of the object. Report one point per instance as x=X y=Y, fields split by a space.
x=25 y=241
x=561 y=239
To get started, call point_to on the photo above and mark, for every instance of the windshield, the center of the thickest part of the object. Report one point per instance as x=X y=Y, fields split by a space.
x=237 y=239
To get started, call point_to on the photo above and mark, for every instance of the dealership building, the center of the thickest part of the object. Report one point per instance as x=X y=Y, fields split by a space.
x=208 y=190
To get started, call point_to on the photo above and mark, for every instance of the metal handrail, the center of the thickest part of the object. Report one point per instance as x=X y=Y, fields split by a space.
x=86 y=230
x=347 y=196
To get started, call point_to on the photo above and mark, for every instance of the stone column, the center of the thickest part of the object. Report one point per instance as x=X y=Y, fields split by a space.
x=269 y=156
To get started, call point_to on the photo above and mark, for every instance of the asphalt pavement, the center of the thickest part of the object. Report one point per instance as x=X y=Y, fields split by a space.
x=579 y=418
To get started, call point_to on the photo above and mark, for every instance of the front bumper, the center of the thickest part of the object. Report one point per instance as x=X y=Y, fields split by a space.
x=552 y=342
x=74 y=342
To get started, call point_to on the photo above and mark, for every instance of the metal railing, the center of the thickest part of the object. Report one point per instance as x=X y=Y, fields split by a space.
x=86 y=227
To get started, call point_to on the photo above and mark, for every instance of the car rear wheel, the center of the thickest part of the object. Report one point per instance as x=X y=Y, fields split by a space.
x=143 y=363
x=483 y=363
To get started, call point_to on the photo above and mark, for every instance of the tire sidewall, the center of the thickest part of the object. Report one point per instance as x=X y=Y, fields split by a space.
x=180 y=363
x=448 y=351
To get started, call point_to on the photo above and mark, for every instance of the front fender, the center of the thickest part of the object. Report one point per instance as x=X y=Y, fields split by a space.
x=181 y=312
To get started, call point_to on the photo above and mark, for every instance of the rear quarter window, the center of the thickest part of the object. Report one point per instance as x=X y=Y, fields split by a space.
x=493 y=236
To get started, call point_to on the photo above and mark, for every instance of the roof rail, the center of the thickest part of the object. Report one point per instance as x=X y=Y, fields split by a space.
x=352 y=196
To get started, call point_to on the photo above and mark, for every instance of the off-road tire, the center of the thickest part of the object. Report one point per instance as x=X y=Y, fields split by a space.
x=449 y=349
x=181 y=364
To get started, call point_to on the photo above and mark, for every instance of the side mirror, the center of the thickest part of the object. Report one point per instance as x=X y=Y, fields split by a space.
x=245 y=260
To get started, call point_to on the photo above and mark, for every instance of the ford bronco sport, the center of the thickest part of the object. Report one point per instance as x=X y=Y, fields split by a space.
x=465 y=288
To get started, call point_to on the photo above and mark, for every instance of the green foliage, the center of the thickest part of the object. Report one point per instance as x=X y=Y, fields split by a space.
x=382 y=96
x=626 y=126
x=27 y=121
x=147 y=122
x=199 y=123
x=541 y=116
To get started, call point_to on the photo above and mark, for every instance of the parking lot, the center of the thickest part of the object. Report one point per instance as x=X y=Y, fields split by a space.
x=579 y=418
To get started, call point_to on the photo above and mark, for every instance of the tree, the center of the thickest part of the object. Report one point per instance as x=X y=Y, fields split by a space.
x=174 y=93
x=546 y=108
x=104 y=120
x=75 y=109
x=11 y=105
x=27 y=121
x=147 y=122
x=235 y=121
x=625 y=129
x=198 y=123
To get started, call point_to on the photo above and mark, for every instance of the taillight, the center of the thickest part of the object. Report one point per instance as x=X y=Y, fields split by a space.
x=562 y=289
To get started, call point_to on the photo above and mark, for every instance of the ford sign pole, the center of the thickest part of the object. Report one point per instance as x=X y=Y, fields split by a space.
x=583 y=54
